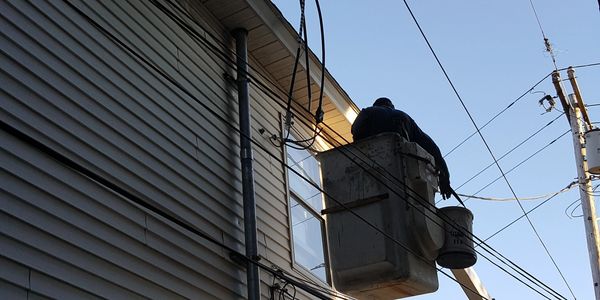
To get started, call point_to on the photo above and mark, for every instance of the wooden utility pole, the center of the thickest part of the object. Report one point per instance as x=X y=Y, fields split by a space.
x=574 y=110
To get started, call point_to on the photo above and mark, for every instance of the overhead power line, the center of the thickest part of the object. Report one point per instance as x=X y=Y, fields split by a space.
x=487 y=145
x=581 y=66
x=568 y=187
x=521 y=162
x=510 y=151
x=498 y=114
x=513 y=103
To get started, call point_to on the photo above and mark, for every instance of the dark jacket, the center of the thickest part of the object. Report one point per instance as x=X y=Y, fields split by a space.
x=378 y=119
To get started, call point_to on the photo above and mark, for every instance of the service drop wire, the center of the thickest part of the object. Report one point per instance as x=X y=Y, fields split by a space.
x=151 y=65
x=319 y=113
x=306 y=56
x=288 y=113
x=170 y=79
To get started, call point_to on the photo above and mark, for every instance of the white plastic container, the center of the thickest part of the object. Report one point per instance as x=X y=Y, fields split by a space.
x=458 y=251
x=592 y=146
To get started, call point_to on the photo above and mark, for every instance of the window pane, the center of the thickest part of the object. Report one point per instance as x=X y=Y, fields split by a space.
x=307 y=165
x=308 y=243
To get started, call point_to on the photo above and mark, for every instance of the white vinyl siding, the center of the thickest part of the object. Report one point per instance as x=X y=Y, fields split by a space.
x=67 y=85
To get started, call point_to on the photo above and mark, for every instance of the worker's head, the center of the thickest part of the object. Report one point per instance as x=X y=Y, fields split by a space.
x=385 y=102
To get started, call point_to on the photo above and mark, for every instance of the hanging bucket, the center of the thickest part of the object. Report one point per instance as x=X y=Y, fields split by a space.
x=458 y=251
x=592 y=149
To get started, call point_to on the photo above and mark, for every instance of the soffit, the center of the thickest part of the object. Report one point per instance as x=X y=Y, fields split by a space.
x=272 y=42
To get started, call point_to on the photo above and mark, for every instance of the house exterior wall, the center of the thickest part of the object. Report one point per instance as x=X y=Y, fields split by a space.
x=69 y=86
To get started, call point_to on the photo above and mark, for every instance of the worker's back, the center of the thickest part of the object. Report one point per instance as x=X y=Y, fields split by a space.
x=383 y=117
x=377 y=119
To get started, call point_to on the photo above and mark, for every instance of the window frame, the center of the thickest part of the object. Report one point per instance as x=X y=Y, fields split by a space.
x=291 y=195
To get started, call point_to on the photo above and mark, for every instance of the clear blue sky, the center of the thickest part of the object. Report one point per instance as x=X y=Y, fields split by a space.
x=493 y=52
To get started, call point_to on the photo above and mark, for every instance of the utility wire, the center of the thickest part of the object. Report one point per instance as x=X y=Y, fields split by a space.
x=486 y=144
x=498 y=114
x=510 y=151
x=260 y=146
x=568 y=187
x=574 y=208
x=581 y=66
x=288 y=111
x=521 y=162
x=319 y=113
x=522 y=198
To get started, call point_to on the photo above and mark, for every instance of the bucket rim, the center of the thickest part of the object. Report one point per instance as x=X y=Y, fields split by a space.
x=456 y=208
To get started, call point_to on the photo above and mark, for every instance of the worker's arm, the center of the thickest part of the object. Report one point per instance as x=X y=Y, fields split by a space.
x=421 y=138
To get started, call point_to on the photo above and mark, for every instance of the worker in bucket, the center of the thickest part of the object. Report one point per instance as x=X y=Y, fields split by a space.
x=383 y=117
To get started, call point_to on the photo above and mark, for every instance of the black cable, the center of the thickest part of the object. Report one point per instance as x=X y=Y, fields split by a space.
x=498 y=114
x=288 y=111
x=306 y=59
x=443 y=69
x=319 y=114
x=176 y=84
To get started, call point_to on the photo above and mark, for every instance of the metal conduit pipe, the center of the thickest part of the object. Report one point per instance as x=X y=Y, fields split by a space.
x=253 y=279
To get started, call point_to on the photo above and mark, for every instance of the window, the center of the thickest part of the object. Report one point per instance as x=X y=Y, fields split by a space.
x=306 y=203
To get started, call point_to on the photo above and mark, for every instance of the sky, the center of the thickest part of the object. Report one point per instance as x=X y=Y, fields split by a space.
x=493 y=52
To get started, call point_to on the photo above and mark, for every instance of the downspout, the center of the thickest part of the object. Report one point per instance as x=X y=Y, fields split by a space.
x=241 y=49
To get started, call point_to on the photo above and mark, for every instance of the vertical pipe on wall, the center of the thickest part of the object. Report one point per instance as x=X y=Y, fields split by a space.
x=241 y=47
